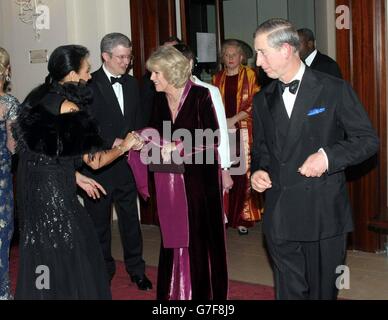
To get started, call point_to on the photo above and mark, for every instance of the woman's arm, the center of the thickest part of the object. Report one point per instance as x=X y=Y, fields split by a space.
x=11 y=144
x=11 y=115
x=242 y=115
x=103 y=158
x=247 y=100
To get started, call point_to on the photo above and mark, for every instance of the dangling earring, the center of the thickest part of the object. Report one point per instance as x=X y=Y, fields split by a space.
x=7 y=78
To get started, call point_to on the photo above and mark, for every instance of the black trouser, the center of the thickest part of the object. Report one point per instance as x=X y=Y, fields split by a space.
x=100 y=211
x=306 y=270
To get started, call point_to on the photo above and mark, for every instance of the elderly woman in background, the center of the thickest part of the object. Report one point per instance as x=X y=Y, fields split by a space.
x=196 y=270
x=238 y=85
x=8 y=112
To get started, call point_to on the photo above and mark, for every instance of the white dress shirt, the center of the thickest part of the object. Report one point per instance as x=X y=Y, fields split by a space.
x=223 y=148
x=288 y=97
x=117 y=88
x=309 y=60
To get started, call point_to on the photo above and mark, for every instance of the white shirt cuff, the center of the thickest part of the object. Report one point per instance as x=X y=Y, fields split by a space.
x=327 y=160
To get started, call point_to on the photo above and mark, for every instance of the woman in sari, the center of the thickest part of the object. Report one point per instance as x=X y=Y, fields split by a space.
x=238 y=85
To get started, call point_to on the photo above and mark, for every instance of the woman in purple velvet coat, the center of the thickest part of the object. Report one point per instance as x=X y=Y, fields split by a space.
x=195 y=269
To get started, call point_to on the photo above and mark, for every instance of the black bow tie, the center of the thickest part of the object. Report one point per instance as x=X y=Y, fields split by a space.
x=120 y=80
x=292 y=86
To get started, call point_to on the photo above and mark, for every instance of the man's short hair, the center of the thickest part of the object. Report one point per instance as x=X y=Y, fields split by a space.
x=307 y=34
x=173 y=39
x=112 y=40
x=280 y=31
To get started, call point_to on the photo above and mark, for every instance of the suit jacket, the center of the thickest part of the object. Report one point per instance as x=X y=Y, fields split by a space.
x=326 y=64
x=327 y=114
x=113 y=124
x=147 y=97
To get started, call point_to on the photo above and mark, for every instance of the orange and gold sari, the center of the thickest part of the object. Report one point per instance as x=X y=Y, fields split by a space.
x=252 y=206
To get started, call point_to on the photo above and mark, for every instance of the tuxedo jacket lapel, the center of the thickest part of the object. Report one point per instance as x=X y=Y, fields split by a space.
x=109 y=95
x=128 y=104
x=309 y=90
x=275 y=105
x=316 y=60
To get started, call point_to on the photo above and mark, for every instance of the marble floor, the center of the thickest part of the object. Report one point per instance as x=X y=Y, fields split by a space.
x=248 y=262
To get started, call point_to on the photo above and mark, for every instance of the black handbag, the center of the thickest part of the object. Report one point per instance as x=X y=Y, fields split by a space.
x=167 y=167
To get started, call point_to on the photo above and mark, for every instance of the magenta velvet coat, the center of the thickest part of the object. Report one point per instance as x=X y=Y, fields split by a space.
x=198 y=271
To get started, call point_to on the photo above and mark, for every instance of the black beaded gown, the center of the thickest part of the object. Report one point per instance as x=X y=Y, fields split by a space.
x=60 y=256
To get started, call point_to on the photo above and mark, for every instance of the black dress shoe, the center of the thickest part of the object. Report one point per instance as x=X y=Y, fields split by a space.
x=143 y=283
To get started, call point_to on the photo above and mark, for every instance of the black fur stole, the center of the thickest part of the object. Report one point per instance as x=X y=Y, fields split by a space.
x=67 y=134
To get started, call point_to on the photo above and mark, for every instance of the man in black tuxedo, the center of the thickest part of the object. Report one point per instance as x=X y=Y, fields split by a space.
x=313 y=58
x=308 y=127
x=116 y=106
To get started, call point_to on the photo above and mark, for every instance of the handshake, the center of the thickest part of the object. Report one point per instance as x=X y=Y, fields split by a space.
x=135 y=142
x=131 y=141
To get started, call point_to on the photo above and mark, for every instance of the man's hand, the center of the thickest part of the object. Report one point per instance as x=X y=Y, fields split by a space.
x=227 y=181
x=260 y=181
x=314 y=166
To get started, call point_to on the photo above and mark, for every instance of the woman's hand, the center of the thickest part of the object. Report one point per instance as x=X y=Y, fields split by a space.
x=140 y=142
x=227 y=181
x=231 y=123
x=89 y=185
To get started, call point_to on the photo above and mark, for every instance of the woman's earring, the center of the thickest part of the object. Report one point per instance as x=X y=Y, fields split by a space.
x=7 y=78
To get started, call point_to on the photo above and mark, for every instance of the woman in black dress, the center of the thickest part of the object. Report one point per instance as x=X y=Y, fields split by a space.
x=60 y=256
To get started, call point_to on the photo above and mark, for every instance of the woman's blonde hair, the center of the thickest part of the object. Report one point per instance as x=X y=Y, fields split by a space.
x=4 y=63
x=173 y=64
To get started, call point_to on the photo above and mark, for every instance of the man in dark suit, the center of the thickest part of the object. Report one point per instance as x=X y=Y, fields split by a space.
x=313 y=58
x=116 y=106
x=308 y=127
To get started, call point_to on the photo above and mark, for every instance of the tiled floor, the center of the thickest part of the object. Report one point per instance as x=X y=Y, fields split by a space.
x=247 y=261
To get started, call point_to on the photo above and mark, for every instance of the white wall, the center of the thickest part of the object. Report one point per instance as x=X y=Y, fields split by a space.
x=240 y=20
x=178 y=19
x=71 y=21
x=1 y=26
x=301 y=13
x=90 y=20
x=211 y=18
x=251 y=13
x=267 y=9
x=318 y=15
x=19 y=38
x=325 y=26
